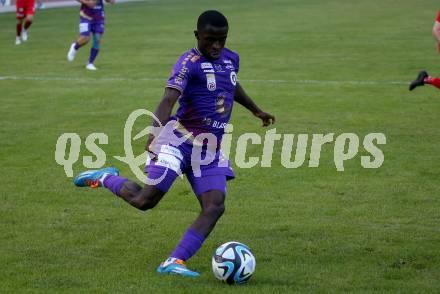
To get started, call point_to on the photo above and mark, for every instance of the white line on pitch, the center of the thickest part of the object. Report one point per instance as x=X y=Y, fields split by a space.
x=112 y=79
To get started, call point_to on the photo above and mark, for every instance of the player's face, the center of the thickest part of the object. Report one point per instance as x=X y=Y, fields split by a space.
x=211 y=41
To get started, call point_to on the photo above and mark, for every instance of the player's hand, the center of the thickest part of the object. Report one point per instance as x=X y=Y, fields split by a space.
x=149 y=146
x=265 y=117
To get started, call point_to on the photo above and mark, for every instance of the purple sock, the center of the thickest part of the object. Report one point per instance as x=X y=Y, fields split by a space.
x=189 y=245
x=93 y=53
x=114 y=183
x=77 y=46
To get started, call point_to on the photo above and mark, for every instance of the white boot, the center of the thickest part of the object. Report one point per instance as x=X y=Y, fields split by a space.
x=91 y=66
x=72 y=53
x=24 y=35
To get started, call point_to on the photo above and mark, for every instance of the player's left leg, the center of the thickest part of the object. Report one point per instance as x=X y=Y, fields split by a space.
x=27 y=23
x=211 y=191
x=94 y=51
x=423 y=78
x=98 y=31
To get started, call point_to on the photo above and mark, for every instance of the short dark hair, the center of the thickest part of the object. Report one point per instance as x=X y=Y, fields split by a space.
x=213 y=18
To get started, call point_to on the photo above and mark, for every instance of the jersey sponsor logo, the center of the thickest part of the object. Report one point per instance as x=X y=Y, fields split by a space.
x=171 y=150
x=181 y=75
x=167 y=160
x=205 y=65
x=219 y=125
x=233 y=77
x=207 y=121
x=218 y=67
x=210 y=82
x=214 y=123
x=208 y=70
x=227 y=61
x=230 y=67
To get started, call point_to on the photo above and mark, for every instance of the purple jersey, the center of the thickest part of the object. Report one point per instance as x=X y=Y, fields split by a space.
x=96 y=13
x=208 y=88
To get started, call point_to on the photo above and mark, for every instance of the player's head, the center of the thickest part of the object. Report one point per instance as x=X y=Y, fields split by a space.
x=211 y=33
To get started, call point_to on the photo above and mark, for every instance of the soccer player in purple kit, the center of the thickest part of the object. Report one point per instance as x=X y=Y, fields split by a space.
x=204 y=81
x=92 y=21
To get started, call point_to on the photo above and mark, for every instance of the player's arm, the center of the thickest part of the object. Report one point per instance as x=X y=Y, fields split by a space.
x=163 y=111
x=242 y=98
x=110 y=1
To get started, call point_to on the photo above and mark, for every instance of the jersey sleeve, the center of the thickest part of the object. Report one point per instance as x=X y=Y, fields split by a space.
x=438 y=16
x=181 y=73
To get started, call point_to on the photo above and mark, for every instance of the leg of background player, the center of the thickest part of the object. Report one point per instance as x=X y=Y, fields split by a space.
x=19 y=28
x=94 y=51
x=424 y=78
x=82 y=40
x=432 y=81
x=27 y=24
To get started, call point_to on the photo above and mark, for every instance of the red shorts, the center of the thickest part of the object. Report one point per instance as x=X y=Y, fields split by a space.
x=24 y=7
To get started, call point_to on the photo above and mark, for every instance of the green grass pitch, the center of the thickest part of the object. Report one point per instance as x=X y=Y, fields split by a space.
x=311 y=229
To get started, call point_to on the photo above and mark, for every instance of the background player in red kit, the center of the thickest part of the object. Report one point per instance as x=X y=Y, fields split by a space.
x=423 y=77
x=25 y=13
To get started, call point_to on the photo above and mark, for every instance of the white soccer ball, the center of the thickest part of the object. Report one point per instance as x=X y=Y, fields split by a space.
x=233 y=263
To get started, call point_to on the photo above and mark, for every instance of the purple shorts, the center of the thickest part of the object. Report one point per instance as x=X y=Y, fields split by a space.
x=174 y=161
x=87 y=26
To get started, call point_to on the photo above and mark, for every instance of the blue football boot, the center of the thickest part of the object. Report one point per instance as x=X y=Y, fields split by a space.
x=91 y=178
x=174 y=266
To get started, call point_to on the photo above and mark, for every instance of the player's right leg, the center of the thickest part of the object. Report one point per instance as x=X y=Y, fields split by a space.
x=84 y=37
x=19 y=28
x=142 y=198
x=19 y=4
